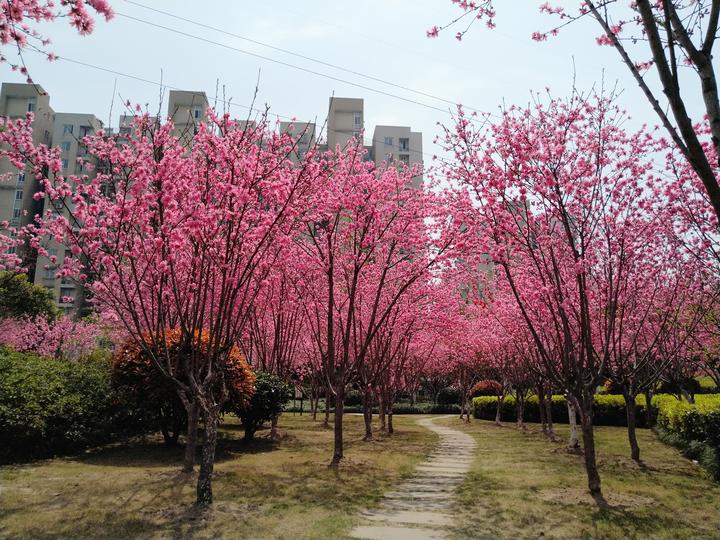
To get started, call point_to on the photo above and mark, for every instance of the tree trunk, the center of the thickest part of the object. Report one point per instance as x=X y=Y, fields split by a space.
x=498 y=411
x=207 y=462
x=413 y=398
x=367 y=413
x=326 y=422
x=549 y=419
x=572 y=420
x=586 y=422
x=631 y=422
x=381 y=413
x=249 y=434
x=649 y=413
x=391 y=430
x=315 y=405
x=193 y=414
x=520 y=411
x=542 y=412
x=338 y=426
x=274 y=427
x=688 y=396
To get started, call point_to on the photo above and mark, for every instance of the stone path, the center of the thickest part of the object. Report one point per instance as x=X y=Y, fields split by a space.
x=418 y=509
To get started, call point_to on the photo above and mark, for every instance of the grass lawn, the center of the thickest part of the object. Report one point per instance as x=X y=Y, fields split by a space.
x=522 y=486
x=262 y=490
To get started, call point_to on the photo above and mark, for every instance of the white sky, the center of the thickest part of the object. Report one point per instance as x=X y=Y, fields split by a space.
x=382 y=38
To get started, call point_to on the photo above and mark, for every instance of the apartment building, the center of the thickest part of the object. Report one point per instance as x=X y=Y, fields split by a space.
x=303 y=133
x=17 y=205
x=186 y=110
x=69 y=130
x=398 y=144
x=389 y=144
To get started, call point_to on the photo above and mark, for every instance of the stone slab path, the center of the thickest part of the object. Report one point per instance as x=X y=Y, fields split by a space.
x=419 y=507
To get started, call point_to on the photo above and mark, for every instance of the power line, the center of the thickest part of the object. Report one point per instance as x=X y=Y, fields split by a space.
x=293 y=66
x=299 y=55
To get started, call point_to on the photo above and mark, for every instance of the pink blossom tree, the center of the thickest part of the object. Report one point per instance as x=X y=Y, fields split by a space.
x=663 y=36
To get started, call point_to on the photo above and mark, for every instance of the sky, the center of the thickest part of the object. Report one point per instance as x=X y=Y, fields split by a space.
x=383 y=39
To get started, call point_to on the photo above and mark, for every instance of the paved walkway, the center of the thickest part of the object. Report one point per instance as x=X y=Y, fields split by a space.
x=419 y=508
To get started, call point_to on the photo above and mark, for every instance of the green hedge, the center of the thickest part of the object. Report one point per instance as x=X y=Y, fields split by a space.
x=53 y=407
x=693 y=428
x=399 y=408
x=609 y=410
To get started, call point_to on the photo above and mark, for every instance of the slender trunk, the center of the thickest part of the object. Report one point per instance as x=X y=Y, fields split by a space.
x=413 y=398
x=467 y=409
x=338 y=426
x=541 y=411
x=649 y=413
x=520 y=411
x=315 y=405
x=389 y=418
x=549 y=419
x=367 y=414
x=207 y=461
x=586 y=422
x=193 y=414
x=688 y=396
x=274 y=426
x=326 y=422
x=381 y=412
x=498 y=411
x=572 y=420
x=631 y=422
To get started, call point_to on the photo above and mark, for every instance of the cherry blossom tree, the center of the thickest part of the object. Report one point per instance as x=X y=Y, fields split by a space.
x=663 y=36
x=178 y=238
x=19 y=17
x=553 y=195
x=61 y=339
x=369 y=237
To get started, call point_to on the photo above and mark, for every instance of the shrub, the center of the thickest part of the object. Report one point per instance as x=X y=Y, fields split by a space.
x=353 y=398
x=271 y=394
x=486 y=388
x=609 y=409
x=693 y=428
x=54 y=407
x=448 y=396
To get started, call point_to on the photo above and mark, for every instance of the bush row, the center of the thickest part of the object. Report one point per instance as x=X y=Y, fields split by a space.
x=399 y=408
x=609 y=410
x=54 y=407
x=693 y=428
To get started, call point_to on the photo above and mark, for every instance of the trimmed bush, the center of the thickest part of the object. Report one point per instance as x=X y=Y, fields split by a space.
x=271 y=394
x=486 y=388
x=609 y=410
x=693 y=428
x=448 y=396
x=353 y=398
x=54 y=407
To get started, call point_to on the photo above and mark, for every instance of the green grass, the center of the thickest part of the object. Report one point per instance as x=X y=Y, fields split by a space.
x=262 y=490
x=522 y=486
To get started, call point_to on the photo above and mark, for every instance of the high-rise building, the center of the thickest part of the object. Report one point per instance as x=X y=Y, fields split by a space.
x=345 y=121
x=186 y=110
x=398 y=144
x=303 y=133
x=68 y=132
x=17 y=205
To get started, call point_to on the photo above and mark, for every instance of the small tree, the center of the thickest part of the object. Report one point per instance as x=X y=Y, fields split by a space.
x=266 y=404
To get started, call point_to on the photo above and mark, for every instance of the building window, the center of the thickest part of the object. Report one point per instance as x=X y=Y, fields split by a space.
x=356 y=134
x=19 y=195
x=65 y=164
x=16 y=213
x=404 y=144
x=31 y=104
x=67 y=295
x=67 y=129
x=405 y=158
x=49 y=273
x=65 y=146
x=85 y=131
x=388 y=141
x=357 y=119
x=21 y=179
x=197 y=113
